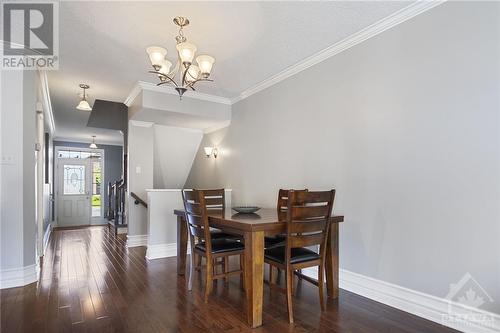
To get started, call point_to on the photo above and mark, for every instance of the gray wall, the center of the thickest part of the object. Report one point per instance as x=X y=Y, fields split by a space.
x=113 y=157
x=406 y=127
x=17 y=216
x=140 y=175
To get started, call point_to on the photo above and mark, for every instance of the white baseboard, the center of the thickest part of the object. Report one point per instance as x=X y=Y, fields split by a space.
x=157 y=251
x=439 y=310
x=18 y=277
x=137 y=240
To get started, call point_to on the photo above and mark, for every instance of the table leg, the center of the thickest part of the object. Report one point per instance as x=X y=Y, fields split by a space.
x=254 y=276
x=182 y=240
x=332 y=262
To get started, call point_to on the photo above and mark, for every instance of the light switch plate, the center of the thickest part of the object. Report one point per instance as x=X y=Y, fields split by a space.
x=7 y=160
x=137 y=169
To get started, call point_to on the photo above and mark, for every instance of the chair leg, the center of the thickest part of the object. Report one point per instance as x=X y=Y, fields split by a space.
x=225 y=267
x=209 y=278
x=191 y=269
x=320 y=287
x=198 y=262
x=271 y=275
x=242 y=275
x=289 y=285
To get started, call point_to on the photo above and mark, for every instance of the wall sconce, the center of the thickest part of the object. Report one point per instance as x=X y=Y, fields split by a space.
x=211 y=151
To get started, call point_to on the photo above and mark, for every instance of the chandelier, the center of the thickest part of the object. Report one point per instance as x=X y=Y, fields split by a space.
x=185 y=74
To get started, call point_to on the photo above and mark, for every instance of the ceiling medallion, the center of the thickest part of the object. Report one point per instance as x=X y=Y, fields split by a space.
x=185 y=74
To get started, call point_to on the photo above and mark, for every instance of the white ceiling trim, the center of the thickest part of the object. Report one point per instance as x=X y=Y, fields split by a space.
x=362 y=35
x=141 y=123
x=141 y=85
x=44 y=84
x=98 y=142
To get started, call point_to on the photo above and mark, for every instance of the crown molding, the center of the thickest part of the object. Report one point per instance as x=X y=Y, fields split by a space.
x=141 y=123
x=376 y=28
x=142 y=85
x=46 y=102
x=136 y=90
x=60 y=139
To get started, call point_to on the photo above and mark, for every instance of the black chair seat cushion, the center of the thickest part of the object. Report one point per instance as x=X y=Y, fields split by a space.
x=276 y=241
x=222 y=245
x=298 y=255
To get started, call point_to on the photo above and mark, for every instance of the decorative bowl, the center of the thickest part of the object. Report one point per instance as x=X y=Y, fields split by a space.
x=246 y=209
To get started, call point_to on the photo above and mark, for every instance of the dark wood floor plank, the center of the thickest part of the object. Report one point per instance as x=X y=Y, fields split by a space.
x=91 y=282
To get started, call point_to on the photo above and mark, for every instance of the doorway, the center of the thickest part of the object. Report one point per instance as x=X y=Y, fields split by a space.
x=79 y=175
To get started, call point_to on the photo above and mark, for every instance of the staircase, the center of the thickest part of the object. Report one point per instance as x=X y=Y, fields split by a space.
x=116 y=205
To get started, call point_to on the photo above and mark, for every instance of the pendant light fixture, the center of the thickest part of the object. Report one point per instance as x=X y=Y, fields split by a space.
x=185 y=74
x=84 y=105
x=93 y=145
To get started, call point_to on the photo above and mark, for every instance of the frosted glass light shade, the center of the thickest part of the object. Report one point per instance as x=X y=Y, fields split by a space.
x=193 y=73
x=156 y=55
x=208 y=151
x=165 y=67
x=186 y=52
x=205 y=62
x=93 y=146
x=84 y=106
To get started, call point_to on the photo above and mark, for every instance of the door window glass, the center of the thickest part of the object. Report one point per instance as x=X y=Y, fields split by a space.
x=74 y=179
x=96 y=188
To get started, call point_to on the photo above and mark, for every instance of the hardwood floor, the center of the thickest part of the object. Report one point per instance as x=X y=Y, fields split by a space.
x=90 y=282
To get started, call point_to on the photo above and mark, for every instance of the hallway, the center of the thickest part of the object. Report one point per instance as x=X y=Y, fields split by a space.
x=90 y=282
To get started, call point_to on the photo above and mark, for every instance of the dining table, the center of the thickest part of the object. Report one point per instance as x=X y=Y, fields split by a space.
x=254 y=227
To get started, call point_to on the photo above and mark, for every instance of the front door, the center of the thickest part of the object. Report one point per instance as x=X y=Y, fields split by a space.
x=74 y=179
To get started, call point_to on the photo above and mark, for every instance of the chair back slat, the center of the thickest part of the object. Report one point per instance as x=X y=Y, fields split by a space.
x=197 y=231
x=192 y=208
x=214 y=201
x=313 y=197
x=305 y=240
x=308 y=215
x=309 y=212
x=190 y=195
x=282 y=203
x=196 y=220
x=308 y=226
x=214 y=193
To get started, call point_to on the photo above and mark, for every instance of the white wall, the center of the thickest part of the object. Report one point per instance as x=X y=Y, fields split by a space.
x=17 y=187
x=174 y=152
x=406 y=127
x=162 y=223
x=140 y=175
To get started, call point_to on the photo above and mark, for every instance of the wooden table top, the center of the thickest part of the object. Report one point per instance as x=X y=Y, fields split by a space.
x=266 y=219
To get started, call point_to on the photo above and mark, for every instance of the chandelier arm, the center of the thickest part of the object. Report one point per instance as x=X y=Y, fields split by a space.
x=176 y=68
x=183 y=82
x=165 y=76
x=203 y=80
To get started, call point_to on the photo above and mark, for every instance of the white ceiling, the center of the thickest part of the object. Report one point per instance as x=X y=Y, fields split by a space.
x=103 y=44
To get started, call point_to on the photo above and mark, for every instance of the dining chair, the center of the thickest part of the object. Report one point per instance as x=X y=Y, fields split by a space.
x=307 y=225
x=281 y=208
x=198 y=204
x=216 y=204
